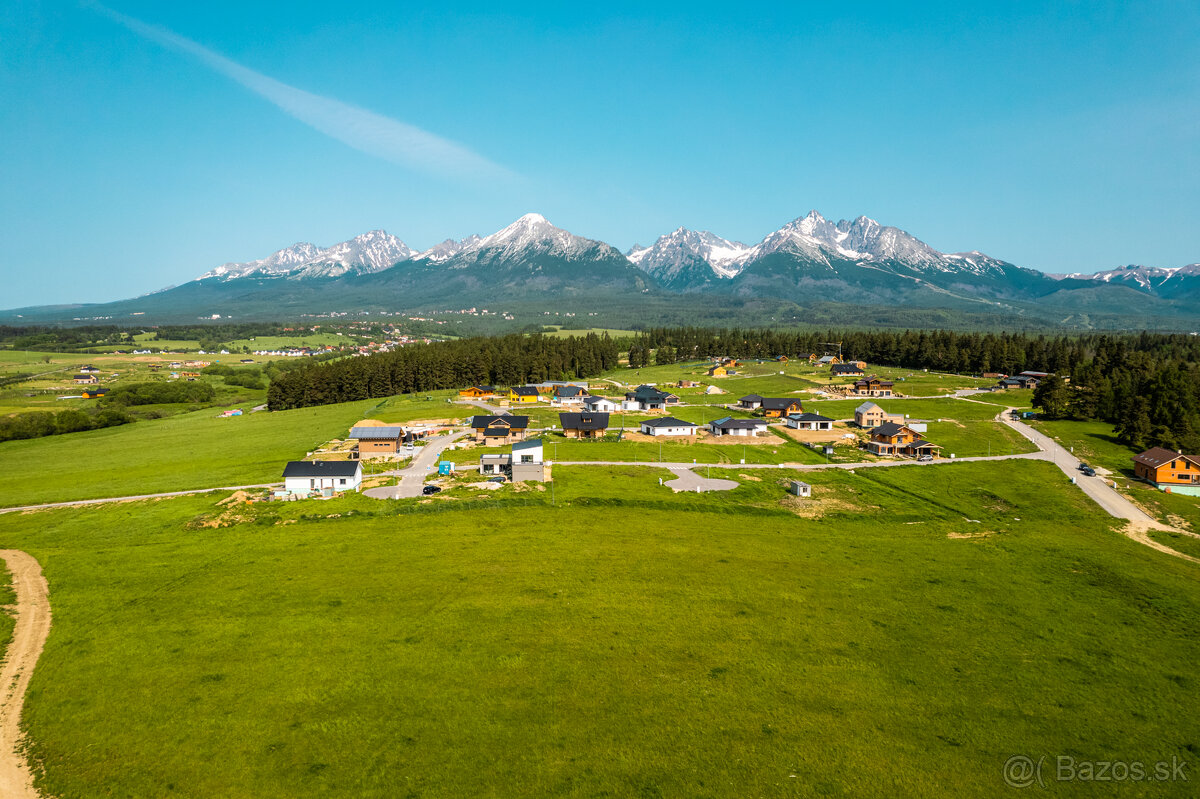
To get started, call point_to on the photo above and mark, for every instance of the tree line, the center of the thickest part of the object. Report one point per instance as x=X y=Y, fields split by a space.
x=504 y=361
x=1146 y=385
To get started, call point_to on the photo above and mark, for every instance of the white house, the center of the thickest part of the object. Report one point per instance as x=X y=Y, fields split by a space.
x=600 y=404
x=302 y=477
x=527 y=451
x=809 y=421
x=728 y=426
x=668 y=426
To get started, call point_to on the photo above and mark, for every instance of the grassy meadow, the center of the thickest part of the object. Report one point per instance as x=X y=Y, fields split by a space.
x=191 y=450
x=895 y=635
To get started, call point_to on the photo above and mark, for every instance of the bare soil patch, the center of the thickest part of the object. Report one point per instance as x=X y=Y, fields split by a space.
x=29 y=636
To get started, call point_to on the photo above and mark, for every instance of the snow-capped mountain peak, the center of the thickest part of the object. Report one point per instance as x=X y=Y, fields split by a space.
x=681 y=248
x=369 y=252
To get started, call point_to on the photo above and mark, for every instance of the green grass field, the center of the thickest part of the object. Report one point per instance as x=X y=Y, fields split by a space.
x=1092 y=442
x=193 y=450
x=626 y=641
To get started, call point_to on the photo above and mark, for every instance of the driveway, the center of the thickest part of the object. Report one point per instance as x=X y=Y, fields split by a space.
x=687 y=480
x=495 y=410
x=412 y=479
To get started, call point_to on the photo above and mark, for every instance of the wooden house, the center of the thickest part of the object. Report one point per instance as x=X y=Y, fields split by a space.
x=718 y=371
x=870 y=415
x=523 y=395
x=873 y=387
x=477 y=392
x=583 y=425
x=568 y=395
x=379 y=440
x=891 y=438
x=1168 y=470
x=846 y=370
x=777 y=407
x=687 y=384
x=495 y=431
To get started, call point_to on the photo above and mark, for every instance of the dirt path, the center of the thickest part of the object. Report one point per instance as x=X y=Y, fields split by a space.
x=29 y=635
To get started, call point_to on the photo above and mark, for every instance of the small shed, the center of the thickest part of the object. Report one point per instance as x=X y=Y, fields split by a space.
x=800 y=489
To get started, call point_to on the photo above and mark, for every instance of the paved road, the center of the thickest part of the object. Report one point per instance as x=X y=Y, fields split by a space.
x=809 y=466
x=1107 y=497
x=412 y=479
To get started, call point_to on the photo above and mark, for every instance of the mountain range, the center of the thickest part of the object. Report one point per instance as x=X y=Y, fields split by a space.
x=808 y=262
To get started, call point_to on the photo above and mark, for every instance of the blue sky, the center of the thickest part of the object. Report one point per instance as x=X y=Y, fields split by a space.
x=1059 y=136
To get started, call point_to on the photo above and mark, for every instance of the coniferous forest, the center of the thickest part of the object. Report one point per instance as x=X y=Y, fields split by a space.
x=504 y=360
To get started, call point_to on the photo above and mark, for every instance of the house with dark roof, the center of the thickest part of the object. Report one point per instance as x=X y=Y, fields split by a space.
x=1168 y=470
x=1023 y=380
x=305 y=477
x=85 y=379
x=873 y=387
x=495 y=431
x=808 y=421
x=600 y=404
x=845 y=370
x=88 y=369
x=648 y=398
x=94 y=392
x=584 y=425
x=750 y=402
x=892 y=438
x=568 y=395
x=777 y=407
x=728 y=426
x=380 y=440
x=668 y=426
x=523 y=395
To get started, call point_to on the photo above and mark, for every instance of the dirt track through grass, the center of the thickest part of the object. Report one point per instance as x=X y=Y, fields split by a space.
x=29 y=636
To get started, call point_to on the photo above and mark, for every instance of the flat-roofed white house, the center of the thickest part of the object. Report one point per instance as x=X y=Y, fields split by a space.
x=728 y=426
x=668 y=426
x=303 y=477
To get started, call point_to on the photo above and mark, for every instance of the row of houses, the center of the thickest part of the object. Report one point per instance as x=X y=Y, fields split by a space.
x=642 y=398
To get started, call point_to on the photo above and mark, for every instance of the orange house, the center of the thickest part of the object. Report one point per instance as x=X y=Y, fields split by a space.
x=477 y=392
x=891 y=438
x=1169 y=470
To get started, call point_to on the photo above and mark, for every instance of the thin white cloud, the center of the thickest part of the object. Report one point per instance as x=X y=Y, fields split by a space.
x=371 y=133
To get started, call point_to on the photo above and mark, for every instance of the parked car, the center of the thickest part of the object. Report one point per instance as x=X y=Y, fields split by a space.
x=431 y=490
x=498 y=479
x=1088 y=471
x=925 y=458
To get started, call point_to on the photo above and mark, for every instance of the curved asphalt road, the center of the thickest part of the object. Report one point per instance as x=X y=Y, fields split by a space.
x=412 y=479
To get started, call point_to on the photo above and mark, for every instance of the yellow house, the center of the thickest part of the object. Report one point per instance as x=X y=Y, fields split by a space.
x=718 y=371
x=94 y=393
x=523 y=394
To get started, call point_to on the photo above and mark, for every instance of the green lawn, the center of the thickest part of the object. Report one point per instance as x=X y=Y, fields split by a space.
x=1092 y=442
x=194 y=450
x=626 y=642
